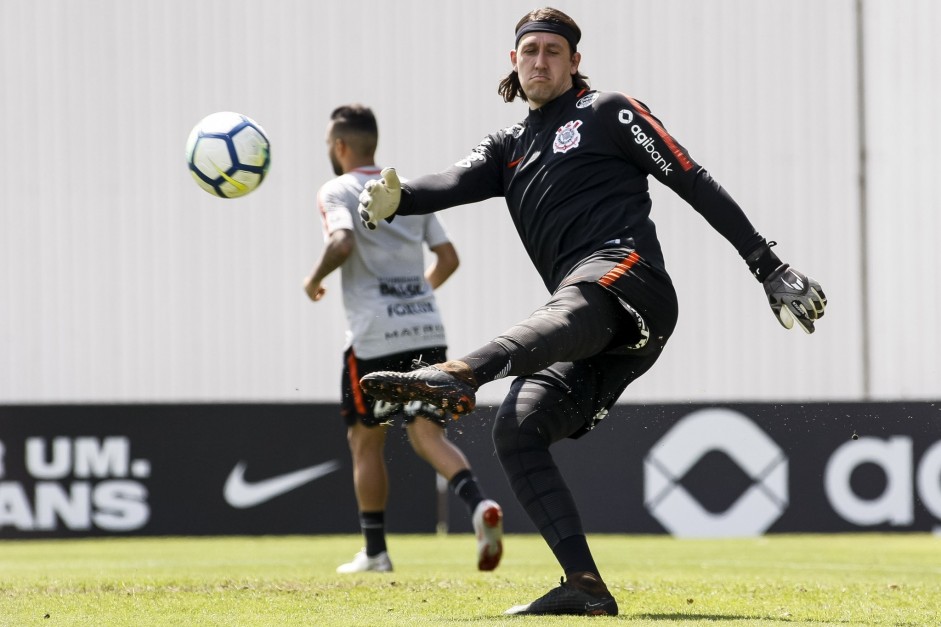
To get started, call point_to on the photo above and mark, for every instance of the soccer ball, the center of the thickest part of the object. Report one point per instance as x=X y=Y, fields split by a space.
x=228 y=154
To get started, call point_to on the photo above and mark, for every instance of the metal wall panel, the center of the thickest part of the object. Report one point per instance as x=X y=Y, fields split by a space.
x=903 y=86
x=122 y=281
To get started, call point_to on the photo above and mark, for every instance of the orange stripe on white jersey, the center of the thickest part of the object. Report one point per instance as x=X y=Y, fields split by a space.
x=358 y=397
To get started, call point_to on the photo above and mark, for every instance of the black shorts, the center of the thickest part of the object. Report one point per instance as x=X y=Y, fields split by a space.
x=356 y=406
x=592 y=386
x=645 y=292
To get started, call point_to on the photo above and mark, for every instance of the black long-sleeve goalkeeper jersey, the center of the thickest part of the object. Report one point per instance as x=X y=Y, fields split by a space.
x=574 y=176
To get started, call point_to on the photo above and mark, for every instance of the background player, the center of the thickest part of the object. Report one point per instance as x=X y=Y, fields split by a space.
x=393 y=320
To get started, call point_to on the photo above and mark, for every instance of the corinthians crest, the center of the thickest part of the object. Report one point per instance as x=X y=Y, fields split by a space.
x=567 y=137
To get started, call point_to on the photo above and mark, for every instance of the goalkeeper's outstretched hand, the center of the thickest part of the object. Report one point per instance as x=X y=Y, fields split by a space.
x=380 y=198
x=793 y=296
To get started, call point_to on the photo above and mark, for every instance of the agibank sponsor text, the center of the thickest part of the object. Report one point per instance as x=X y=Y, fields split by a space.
x=626 y=116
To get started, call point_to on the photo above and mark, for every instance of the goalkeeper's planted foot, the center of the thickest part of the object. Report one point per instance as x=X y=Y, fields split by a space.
x=584 y=594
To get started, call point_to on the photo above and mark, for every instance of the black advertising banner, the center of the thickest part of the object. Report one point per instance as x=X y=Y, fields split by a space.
x=712 y=470
x=740 y=469
x=91 y=470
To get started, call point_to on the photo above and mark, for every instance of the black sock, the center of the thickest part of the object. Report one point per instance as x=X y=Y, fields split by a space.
x=373 y=525
x=465 y=487
x=574 y=556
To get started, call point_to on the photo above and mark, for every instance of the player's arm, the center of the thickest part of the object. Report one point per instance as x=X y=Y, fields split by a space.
x=445 y=263
x=791 y=295
x=472 y=179
x=476 y=177
x=646 y=143
x=338 y=248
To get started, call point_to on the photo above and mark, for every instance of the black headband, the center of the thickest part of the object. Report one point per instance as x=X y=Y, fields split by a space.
x=545 y=26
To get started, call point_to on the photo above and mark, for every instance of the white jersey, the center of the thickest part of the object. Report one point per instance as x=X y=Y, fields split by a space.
x=389 y=304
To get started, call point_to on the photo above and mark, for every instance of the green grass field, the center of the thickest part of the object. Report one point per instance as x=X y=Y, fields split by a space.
x=774 y=580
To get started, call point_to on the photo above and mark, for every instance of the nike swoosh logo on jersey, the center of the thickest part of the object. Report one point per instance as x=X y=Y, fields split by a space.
x=242 y=494
x=513 y=164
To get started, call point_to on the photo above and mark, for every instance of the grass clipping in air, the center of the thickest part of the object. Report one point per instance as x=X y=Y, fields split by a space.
x=865 y=579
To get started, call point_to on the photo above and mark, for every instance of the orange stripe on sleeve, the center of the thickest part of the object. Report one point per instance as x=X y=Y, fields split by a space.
x=681 y=156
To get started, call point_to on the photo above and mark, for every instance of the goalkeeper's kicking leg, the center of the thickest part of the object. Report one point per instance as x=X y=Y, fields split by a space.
x=579 y=321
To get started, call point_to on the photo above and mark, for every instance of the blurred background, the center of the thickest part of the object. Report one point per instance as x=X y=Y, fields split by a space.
x=121 y=281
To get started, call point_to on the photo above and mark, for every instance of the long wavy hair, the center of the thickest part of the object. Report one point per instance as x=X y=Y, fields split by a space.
x=510 y=86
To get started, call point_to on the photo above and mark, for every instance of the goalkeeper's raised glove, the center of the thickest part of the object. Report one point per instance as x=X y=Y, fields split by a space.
x=380 y=198
x=793 y=296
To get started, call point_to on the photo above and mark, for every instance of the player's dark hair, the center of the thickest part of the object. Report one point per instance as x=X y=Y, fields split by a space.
x=510 y=86
x=356 y=125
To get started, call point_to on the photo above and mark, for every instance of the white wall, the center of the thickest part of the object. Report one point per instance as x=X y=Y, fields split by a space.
x=903 y=85
x=122 y=281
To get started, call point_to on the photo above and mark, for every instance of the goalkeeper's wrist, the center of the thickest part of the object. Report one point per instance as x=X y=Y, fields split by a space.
x=406 y=200
x=762 y=261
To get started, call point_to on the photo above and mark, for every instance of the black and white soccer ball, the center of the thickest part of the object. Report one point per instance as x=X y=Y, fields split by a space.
x=228 y=154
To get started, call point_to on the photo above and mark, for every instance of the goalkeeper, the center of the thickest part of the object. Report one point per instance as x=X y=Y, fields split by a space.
x=574 y=174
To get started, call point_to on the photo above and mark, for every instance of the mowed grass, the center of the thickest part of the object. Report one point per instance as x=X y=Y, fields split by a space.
x=866 y=579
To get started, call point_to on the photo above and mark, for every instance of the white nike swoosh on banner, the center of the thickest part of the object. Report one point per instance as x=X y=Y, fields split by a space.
x=241 y=494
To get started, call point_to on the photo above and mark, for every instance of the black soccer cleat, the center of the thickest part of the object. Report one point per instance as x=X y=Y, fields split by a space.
x=584 y=594
x=449 y=385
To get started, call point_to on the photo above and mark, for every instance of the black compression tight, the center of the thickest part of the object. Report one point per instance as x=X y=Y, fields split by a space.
x=532 y=417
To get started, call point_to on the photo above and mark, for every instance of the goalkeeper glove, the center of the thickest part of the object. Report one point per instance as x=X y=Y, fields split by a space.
x=380 y=198
x=793 y=296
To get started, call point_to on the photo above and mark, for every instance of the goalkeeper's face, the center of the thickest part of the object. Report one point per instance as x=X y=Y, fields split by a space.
x=545 y=65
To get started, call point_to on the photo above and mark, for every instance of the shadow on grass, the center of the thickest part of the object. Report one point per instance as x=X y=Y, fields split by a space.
x=708 y=617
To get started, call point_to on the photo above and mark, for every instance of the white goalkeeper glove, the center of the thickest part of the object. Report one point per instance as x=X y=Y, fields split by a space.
x=793 y=296
x=380 y=198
